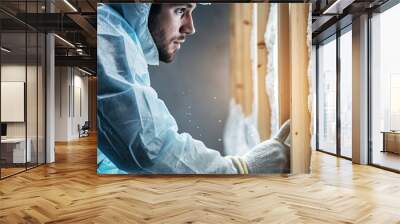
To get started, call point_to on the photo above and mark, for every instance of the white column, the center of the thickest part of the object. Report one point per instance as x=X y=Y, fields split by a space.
x=360 y=90
x=50 y=91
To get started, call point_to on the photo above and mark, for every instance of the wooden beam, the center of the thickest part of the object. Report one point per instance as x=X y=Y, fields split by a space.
x=245 y=52
x=242 y=81
x=236 y=81
x=300 y=116
x=283 y=63
x=264 y=110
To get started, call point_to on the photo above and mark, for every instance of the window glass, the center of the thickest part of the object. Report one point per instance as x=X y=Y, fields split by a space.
x=385 y=84
x=345 y=94
x=327 y=97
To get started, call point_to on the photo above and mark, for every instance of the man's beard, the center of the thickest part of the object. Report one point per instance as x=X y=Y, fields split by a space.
x=163 y=53
x=162 y=45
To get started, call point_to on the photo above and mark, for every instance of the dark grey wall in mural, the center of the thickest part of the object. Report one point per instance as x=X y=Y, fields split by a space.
x=195 y=87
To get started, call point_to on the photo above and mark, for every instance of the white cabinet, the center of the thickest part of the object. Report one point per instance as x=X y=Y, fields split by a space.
x=18 y=149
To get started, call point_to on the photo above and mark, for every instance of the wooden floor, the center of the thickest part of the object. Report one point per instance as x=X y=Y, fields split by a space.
x=10 y=171
x=5 y=172
x=70 y=191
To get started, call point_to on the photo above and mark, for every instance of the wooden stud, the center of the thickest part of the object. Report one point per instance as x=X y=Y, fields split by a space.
x=234 y=57
x=300 y=116
x=242 y=82
x=283 y=63
x=245 y=52
x=264 y=110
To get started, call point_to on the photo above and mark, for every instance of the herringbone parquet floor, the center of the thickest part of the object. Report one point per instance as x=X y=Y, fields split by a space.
x=70 y=191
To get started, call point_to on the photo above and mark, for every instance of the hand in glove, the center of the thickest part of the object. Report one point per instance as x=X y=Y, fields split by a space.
x=271 y=156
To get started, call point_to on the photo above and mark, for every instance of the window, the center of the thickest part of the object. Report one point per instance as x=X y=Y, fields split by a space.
x=385 y=88
x=327 y=96
x=346 y=93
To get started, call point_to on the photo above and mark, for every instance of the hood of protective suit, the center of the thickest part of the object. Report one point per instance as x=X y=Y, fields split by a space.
x=137 y=15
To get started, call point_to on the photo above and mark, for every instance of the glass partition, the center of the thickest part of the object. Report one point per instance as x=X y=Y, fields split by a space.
x=41 y=87
x=13 y=108
x=327 y=96
x=346 y=94
x=22 y=88
x=31 y=100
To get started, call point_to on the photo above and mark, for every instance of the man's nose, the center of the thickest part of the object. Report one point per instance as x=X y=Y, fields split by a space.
x=187 y=26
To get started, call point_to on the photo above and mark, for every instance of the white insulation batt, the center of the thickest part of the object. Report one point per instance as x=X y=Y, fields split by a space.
x=271 y=79
x=254 y=65
x=241 y=133
x=311 y=84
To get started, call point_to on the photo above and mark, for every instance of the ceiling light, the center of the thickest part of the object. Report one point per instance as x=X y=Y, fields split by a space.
x=338 y=6
x=79 y=51
x=70 y=5
x=64 y=40
x=84 y=71
x=5 y=50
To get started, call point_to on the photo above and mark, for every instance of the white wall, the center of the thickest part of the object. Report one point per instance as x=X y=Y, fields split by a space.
x=62 y=81
x=79 y=117
x=33 y=127
x=16 y=73
x=10 y=73
x=69 y=82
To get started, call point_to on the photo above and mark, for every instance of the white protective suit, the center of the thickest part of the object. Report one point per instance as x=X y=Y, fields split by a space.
x=136 y=132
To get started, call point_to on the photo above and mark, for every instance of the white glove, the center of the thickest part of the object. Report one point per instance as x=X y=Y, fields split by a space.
x=271 y=156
